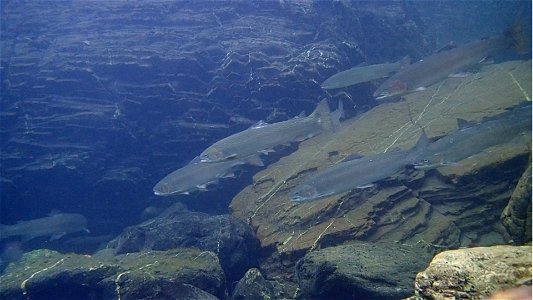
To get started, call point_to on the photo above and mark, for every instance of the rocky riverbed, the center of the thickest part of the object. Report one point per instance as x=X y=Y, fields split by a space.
x=100 y=100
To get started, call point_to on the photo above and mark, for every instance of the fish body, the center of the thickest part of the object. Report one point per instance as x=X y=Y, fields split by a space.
x=472 y=139
x=440 y=65
x=53 y=226
x=362 y=74
x=262 y=138
x=356 y=173
x=197 y=176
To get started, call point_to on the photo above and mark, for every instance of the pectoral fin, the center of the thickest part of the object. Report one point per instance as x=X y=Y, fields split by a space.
x=229 y=175
x=202 y=187
x=255 y=160
x=366 y=186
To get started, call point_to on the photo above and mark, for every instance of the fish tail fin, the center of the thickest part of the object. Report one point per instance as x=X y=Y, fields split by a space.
x=337 y=115
x=518 y=37
x=321 y=110
x=326 y=119
x=322 y=115
x=421 y=144
x=5 y=231
x=255 y=160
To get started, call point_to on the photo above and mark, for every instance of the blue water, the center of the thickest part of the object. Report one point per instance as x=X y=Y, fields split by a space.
x=100 y=100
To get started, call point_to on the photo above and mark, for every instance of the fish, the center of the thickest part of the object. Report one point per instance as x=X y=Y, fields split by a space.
x=358 y=173
x=362 y=74
x=262 y=137
x=194 y=125
x=440 y=65
x=54 y=226
x=471 y=139
x=197 y=176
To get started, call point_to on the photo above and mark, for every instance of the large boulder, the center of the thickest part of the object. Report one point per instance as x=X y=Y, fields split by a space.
x=229 y=238
x=439 y=208
x=254 y=286
x=45 y=274
x=361 y=271
x=516 y=217
x=474 y=273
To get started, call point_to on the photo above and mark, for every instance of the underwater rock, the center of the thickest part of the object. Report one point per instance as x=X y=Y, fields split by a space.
x=474 y=273
x=46 y=274
x=254 y=286
x=361 y=271
x=167 y=290
x=437 y=208
x=516 y=217
x=230 y=239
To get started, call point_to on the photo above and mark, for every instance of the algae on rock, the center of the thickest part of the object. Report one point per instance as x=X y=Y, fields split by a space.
x=474 y=273
x=438 y=209
x=49 y=274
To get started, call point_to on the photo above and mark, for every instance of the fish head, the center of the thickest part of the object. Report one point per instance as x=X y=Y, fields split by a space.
x=304 y=192
x=212 y=154
x=328 y=84
x=163 y=189
x=170 y=188
x=391 y=89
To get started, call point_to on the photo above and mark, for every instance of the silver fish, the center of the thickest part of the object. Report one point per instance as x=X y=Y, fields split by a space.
x=197 y=176
x=262 y=138
x=440 y=65
x=356 y=173
x=472 y=139
x=362 y=74
x=53 y=226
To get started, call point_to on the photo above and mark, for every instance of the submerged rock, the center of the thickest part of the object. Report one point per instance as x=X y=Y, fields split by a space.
x=516 y=217
x=450 y=207
x=254 y=286
x=45 y=274
x=474 y=273
x=231 y=240
x=361 y=271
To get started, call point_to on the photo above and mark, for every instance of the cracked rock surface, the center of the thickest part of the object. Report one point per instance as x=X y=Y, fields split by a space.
x=361 y=271
x=45 y=274
x=474 y=273
x=232 y=241
x=438 y=209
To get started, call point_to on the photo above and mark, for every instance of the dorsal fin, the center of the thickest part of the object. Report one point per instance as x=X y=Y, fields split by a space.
x=259 y=124
x=447 y=47
x=54 y=212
